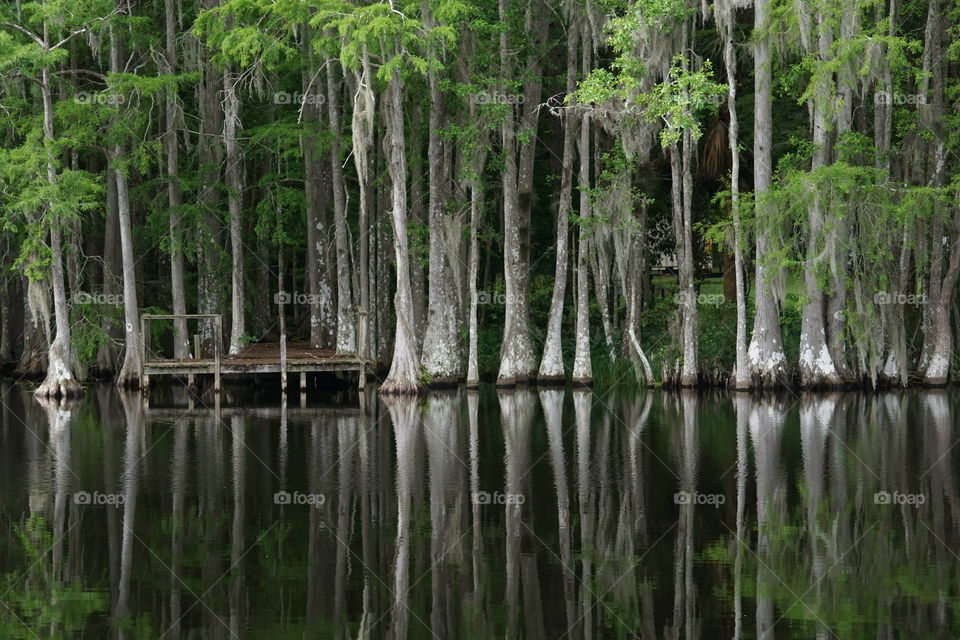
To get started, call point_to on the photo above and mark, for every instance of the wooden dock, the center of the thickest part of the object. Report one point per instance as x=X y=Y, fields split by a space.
x=259 y=358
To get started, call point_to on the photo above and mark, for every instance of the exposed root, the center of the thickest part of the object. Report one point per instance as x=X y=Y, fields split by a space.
x=59 y=389
x=60 y=381
x=400 y=387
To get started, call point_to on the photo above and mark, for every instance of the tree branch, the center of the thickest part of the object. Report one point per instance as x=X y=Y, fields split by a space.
x=85 y=28
x=23 y=30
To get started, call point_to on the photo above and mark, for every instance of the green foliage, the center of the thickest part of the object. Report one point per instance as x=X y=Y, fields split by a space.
x=680 y=101
x=35 y=603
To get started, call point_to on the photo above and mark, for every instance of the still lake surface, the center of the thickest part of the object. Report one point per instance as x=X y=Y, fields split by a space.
x=525 y=514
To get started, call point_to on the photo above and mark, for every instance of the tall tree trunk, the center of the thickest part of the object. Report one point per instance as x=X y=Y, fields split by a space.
x=689 y=374
x=129 y=376
x=60 y=380
x=551 y=366
x=234 y=175
x=210 y=292
x=935 y=359
x=582 y=366
x=322 y=320
x=895 y=365
x=767 y=359
x=839 y=244
x=382 y=292
x=346 y=322
x=741 y=372
x=107 y=354
x=404 y=375
x=535 y=27
x=817 y=367
x=478 y=161
x=442 y=361
x=419 y=219
x=517 y=360
x=362 y=134
x=181 y=348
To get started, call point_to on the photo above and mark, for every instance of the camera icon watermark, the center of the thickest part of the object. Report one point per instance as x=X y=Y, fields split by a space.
x=285 y=498
x=498 y=98
x=706 y=299
x=285 y=97
x=899 y=499
x=696 y=498
x=108 y=99
x=884 y=97
x=484 y=497
x=895 y=297
x=498 y=298
x=97 y=499
x=107 y=299
x=296 y=297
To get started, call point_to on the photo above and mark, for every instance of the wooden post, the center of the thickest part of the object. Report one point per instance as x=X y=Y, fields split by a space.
x=191 y=381
x=303 y=382
x=283 y=362
x=144 y=381
x=217 y=348
x=362 y=347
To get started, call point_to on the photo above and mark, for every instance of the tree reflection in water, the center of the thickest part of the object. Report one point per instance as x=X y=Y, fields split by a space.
x=491 y=514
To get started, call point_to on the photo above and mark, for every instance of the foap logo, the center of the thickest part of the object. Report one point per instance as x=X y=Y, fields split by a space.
x=284 y=97
x=296 y=297
x=895 y=297
x=708 y=299
x=498 y=98
x=285 y=498
x=108 y=99
x=696 y=498
x=884 y=97
x=899 y=499
x=97 y=499
x=484 y=497
x=714 y=99
x=110 y=299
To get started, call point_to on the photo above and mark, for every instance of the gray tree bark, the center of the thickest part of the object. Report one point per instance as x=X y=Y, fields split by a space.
x=517 y=360
x=129 y=376
x=551 y=366
x=817 y=367
x=582 y=365
x=767 y=359
x=442 y=361
x=404 y=375
x=346 y=321
x=181 y=348
x=234 y=176
x=61 y=379
x=741 y=372
x=322 y=314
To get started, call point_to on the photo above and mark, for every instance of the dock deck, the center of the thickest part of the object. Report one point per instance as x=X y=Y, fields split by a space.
x=256 y=359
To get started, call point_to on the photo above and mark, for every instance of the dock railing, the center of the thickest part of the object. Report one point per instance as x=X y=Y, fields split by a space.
x=147 y=357
x=145 y=350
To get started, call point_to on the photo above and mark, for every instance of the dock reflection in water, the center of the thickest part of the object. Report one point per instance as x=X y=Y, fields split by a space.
x=518 y=514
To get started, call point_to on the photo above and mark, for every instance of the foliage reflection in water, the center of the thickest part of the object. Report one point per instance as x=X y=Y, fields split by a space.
x=522 y=514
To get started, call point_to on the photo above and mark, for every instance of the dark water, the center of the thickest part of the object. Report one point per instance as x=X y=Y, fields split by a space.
x=513 y=515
